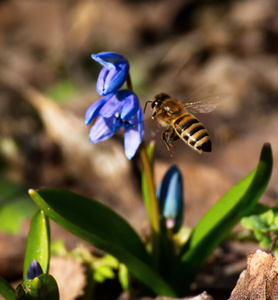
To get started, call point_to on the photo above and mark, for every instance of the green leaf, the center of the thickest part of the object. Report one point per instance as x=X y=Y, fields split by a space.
x=147 y=175
x=123 y=276
x=102 y=227
x=266 y=221
x=6 y=290
x=219 y=220
x=151 y=203
x=264 y=225
x=103 y=273
x=38 y=242
x=150 y=150
x=43 y=287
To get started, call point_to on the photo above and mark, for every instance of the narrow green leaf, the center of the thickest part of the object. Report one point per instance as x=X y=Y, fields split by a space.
x=38 y=242
x=219 y=220
x=6 y=290
x=102 y=227
x=147 y=173
x=151 y=203
x=43 y=287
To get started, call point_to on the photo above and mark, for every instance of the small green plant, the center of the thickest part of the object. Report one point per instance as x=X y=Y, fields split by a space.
x=37 y=283
x=100 y=268
x=263 y=223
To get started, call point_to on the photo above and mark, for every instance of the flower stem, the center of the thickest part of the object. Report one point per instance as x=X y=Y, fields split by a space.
x=128 y=82
x=152 y=204
x=150 y=201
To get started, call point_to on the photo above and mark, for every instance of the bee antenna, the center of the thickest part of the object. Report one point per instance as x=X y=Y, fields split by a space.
x=146 y=105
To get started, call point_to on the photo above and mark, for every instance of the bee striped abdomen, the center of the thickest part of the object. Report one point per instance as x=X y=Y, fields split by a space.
x=192 y=132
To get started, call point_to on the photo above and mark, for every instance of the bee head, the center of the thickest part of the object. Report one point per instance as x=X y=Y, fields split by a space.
x=158 y=99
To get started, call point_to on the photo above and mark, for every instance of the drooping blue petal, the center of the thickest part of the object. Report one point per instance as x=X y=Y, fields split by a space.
x=112 y=106
x=170 y=196
x=116 y=78
x=131 y=105
x=101 y=81
x=132 y=140
x=109 y=81
x=102 y=130
x=108 y=59
x=34 y=270
x=94 y=109
x=133 y=135
x=140 y=124
x=113 y=74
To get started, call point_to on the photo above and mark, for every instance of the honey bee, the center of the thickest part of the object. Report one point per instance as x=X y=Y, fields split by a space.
x=174 y=115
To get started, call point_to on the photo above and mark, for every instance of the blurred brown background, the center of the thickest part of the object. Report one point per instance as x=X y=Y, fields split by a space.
x=47 y=81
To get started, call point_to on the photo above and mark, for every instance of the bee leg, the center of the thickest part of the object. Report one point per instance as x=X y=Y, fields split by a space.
x=167 y=143
x=169 y=136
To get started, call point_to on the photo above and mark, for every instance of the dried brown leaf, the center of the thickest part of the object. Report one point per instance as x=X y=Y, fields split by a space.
x=260 y=280
x=202 y=296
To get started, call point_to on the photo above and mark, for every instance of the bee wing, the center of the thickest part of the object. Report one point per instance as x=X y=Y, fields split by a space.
x=203 y=105
x=204 y=100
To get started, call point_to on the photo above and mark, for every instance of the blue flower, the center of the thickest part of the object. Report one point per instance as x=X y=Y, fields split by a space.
x=34 y=270
x=113 y=74
x=170 y=197
x=121 y=109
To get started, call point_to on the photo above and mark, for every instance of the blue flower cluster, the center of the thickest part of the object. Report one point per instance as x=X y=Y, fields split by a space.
x=117 y=108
